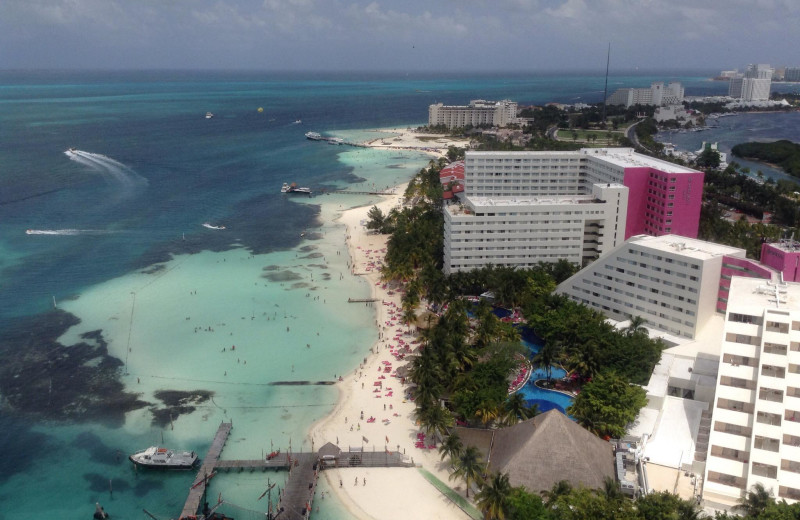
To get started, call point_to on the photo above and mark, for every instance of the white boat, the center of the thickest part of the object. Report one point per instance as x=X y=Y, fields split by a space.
x=210 y=226
x=298 y=121
x=294 y=188
x=209 y=115
x=335 y=140
x=164 y=458
x=314 y=136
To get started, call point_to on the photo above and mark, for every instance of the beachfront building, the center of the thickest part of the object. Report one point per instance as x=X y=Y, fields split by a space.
x=477 y=113
x=522 y=208
x=791 y=74
x=658 y=94
x=755 y=436
x=753 y=85
x=673 y=282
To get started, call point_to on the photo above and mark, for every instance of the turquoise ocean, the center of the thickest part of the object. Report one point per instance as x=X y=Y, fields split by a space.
x=120 y=311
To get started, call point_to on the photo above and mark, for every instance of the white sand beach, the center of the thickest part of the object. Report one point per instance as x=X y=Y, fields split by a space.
x=374 y=391
x=410 y=139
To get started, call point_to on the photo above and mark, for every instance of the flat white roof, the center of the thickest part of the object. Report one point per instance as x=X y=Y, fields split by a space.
x=672 y=441
x=756 y=292
x=683 y=246
x=628 y=158
x=624 y=157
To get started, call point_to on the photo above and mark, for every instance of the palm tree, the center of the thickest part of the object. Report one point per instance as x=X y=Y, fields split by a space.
x=492 y=499
x=559 y=489
x=438 y=420
x=486 y=412
x=547 y=356
x=611 y=489
x=516 y=409
x=636 y=326
x=468 y=467
x=451 y=448
x=755 y=501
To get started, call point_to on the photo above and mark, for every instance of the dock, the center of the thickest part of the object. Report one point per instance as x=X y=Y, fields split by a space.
x=297 y=497
x=362 y=300
x=207 y=468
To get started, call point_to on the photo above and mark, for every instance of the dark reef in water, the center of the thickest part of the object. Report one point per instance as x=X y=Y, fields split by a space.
x=281 y=276
x=42 y=377
x=244 y=228
x=177 y=403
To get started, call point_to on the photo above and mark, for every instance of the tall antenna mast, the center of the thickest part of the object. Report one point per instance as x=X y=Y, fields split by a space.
x=605 y=90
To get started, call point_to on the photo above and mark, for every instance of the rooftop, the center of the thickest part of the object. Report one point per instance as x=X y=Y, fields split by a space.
x=627 y=158
x=787 y=246
x=624 y=157
x=765 y=294
x=689 y=247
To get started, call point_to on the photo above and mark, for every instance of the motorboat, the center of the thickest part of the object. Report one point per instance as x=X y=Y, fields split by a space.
x=294 y=188
x=314 y=136
x=209 y=115
x=164 y=458
x=211 y=226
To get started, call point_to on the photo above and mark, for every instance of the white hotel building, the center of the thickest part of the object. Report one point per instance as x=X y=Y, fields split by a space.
x=670 y=281
x=755 y=435
x=522 y=208
x=479 y=112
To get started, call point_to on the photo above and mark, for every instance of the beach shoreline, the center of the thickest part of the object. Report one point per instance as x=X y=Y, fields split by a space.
x=393 y=429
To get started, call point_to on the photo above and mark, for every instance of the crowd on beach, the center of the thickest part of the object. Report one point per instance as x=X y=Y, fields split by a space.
x=375 y=411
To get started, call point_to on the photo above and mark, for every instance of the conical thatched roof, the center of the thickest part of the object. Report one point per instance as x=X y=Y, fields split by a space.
x=542 y=451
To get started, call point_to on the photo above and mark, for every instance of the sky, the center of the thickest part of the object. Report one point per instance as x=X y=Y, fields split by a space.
x=398 y=35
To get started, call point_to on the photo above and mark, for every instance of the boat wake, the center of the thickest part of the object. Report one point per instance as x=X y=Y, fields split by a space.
x=107 y=166
x=68 y=232
x=210 y=226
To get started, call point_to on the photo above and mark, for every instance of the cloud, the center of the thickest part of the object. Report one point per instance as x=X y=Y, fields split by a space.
x=370 y=33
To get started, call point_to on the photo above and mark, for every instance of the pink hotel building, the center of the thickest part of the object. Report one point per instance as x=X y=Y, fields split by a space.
x=522 y=208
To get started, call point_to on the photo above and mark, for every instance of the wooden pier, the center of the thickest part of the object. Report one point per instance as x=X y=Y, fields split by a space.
x=297 y=497
x=207 y=468
x=362 y=300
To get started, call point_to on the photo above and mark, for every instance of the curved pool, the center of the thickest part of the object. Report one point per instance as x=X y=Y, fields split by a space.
x=546 y=400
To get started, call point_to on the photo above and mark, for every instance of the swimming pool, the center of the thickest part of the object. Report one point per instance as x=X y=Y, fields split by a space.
x=545 y=399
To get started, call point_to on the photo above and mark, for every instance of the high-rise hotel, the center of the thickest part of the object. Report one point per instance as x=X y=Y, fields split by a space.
x=522 y=208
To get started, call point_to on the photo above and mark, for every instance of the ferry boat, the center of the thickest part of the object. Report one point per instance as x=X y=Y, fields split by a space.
x=164 y=458
x=314 y=136
x=294 y=188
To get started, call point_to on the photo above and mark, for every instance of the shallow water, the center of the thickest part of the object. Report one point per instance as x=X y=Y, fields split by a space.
x=171 y=297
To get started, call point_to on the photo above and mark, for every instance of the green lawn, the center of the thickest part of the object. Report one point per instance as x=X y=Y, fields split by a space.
x=583 y=136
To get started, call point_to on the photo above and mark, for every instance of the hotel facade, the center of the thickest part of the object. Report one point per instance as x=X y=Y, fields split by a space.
x=671 y=281
x=522 y=208
x=478 y=112
x=755 y=437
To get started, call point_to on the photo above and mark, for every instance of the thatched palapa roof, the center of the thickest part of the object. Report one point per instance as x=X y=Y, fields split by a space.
x=542 y=451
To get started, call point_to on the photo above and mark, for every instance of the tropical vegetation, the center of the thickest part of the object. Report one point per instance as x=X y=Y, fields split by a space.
x=783 y=153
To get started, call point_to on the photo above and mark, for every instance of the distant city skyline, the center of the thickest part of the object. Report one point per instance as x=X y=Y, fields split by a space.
x=409 y=35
